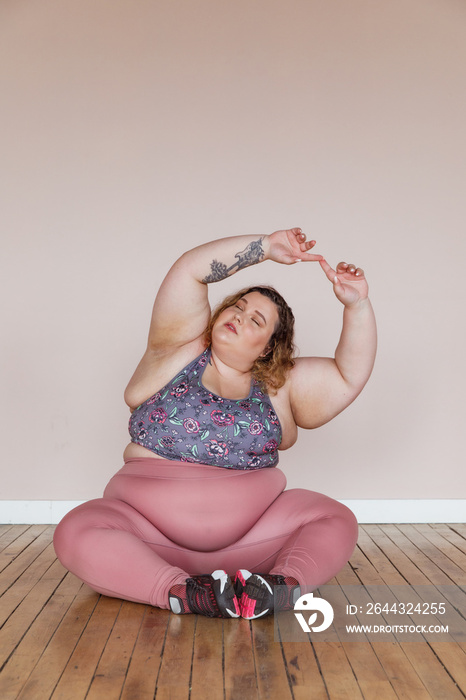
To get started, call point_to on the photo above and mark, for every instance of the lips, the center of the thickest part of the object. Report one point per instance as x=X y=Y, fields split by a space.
x=230 y=327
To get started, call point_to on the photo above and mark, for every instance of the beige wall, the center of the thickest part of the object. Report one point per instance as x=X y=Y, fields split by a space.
x=134 y=130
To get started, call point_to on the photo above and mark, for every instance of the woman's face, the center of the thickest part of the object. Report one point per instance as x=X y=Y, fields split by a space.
x=245 y=328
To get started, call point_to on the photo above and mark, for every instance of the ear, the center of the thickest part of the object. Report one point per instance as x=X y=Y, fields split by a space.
x=266 y=351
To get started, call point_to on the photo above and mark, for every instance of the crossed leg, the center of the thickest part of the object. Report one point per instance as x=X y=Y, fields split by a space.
x=118 y=552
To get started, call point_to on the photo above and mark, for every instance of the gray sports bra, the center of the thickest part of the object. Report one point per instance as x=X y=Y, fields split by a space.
x=184 y=421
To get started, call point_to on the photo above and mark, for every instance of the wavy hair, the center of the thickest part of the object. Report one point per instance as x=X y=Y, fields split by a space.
x=272 y=368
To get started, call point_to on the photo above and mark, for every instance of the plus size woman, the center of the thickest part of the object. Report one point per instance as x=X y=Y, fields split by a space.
x=198 y=520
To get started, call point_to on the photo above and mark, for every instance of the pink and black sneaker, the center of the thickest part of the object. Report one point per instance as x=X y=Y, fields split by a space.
x=263 y=594
x=211 y=595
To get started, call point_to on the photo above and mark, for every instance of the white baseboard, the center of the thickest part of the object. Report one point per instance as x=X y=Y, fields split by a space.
x=428 y=510
x=35 y=512
x=441 y=510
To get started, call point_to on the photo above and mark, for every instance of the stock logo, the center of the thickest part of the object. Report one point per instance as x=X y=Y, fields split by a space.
x=307 y=603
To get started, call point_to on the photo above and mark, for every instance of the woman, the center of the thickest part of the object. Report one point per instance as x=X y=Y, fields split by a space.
x=200 y=499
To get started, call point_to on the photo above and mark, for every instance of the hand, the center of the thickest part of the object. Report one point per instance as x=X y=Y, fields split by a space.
x=349 y=283
x=290 y=246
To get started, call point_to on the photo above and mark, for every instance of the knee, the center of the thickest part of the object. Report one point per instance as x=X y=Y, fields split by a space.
x=315 y=506
x=69 y=535
x=349 y=520
x=342 y=516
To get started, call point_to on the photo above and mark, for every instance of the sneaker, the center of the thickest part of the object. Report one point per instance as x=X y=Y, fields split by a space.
x=211 y=595
x=263 y=594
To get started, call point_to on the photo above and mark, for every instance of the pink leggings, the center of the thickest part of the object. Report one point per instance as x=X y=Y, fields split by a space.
x=161 y=521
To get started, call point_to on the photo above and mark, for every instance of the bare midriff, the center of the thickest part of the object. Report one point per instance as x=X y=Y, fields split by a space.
x=133 y=451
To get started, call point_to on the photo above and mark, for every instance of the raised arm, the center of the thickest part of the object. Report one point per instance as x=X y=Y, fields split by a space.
x=181 y=309
x=320 y=388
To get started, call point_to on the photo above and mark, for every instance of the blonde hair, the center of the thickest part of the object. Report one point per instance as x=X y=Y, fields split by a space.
x=270 y=369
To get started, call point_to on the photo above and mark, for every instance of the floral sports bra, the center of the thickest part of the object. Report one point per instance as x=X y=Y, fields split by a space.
x=184 y=421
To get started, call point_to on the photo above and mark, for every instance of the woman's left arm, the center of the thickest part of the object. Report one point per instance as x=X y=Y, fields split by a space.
x=320 y=388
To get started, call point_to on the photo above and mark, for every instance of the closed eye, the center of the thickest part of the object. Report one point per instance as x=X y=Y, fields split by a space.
x=237 y=306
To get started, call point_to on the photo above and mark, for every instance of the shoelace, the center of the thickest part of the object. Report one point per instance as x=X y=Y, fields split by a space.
x=280 y=599
x=201 y=600
x=282 y=593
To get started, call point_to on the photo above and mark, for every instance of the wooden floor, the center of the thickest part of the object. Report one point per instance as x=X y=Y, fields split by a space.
x=59 y=639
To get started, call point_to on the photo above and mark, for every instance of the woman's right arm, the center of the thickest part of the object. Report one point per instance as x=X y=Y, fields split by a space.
x=181 y=309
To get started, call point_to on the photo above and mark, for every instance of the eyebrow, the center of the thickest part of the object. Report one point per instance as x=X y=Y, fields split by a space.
x=256 y=311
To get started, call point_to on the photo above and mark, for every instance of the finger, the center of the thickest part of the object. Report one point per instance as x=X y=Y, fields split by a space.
x=305 y=256
x=309 y=257
x=300 y=236
x=350 y=268
x=329 y=271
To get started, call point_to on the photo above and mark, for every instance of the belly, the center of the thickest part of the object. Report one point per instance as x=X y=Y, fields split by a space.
x=196 y=506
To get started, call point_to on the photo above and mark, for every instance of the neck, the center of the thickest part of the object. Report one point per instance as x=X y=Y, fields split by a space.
x=222 y=379
x=229 y=369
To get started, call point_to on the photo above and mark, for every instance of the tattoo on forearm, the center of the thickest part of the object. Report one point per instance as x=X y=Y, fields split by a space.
x=251 y=255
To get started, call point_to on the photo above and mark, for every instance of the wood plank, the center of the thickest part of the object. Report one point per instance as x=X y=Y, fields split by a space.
x=367 y=666
x=337 y=671
x=438 y=678
x=240 y=671
x=9 y=533
x=450 y=535
x=443 y=545
x=420 y=584
x=111 y=671
x=207 y=662
x=29 y=650
x=331 y=661
x=46 y=674
x=141 y=678
x=20 y=549
x=432 y=551
x=80 y=669
x=388 y=558
x=398 y=666
x=25 y=582
x=272 y=676
x=422 y=590
x=300 y=660
x=459 y=528
x=26 y=612
x=59 y=623
x=403 y=677
x=435 y=677
x=441 y=588
x=174 y=678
